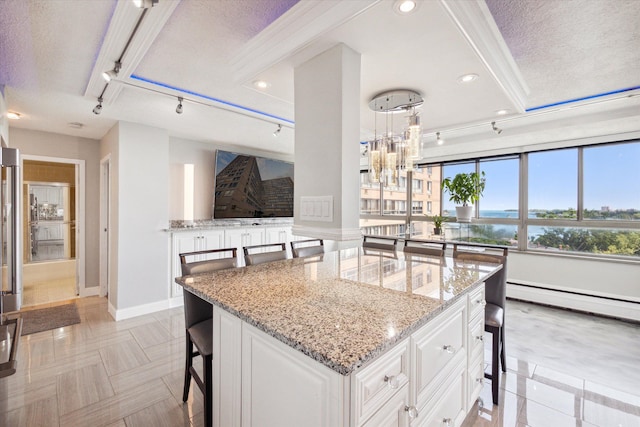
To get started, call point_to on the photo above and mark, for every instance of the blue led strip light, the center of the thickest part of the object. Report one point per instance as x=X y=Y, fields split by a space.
x=210 y=98
x=582 y=99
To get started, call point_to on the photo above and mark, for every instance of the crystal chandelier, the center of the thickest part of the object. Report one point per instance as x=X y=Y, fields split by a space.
x=390 y=153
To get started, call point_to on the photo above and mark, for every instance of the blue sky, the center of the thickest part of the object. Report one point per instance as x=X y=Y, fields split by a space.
x=611 y=178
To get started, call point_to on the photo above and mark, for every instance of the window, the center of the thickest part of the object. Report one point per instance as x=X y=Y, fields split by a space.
x=449 y=171
x=553 y=184
x=500 y=197
x=416 y=208
x=608 y=174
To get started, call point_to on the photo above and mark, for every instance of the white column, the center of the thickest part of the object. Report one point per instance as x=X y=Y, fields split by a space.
x=327 y=114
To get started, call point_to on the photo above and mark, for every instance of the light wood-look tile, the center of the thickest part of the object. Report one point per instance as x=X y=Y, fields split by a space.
x=81 y=387
x=151 y=334
x=122 y=357
x=119 y=406
x=40 y=413
x=162 y=414
x=144 y=373
x=195 y=401
x=14 y=397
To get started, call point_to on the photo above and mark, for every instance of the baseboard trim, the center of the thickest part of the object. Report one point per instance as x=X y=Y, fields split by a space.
x=139 y=310
x=176 y=302
x=89 y=292
x=610 y=307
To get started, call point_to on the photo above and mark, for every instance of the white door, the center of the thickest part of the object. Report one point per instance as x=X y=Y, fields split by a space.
x=105 y=203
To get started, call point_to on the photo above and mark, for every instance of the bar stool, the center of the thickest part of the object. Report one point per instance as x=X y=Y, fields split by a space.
x=262 y=257
x=304 y=248
x=198 y=322
x=384 y=243
x=425 y=247
x=496 y=297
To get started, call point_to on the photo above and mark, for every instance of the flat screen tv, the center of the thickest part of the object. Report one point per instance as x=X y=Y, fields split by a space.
x=252 y=187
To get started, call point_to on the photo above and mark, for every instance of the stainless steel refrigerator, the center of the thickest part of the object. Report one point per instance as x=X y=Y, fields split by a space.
x=11 y=256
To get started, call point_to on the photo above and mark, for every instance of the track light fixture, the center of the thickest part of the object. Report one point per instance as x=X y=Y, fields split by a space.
x=112 y=74
x=179 y=107
x=145 y=4
x=495 y=128
x=98 y=108
x=439 y=140
x=277 y=131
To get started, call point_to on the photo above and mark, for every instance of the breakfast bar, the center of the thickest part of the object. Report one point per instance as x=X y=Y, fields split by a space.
x=350 y=338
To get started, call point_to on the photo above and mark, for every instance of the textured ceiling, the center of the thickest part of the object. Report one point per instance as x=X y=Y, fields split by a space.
x=50 y=51
x=568 y=49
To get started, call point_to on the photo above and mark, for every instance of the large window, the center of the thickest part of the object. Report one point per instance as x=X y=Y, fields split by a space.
x=553 y=184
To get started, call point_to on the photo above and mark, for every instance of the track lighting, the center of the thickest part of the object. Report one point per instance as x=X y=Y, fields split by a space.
x=179 y=107
x=145 y=4
x=98 y=108
x=277 y=131
x=112 y=74
x=439 y=140
x=495 y=128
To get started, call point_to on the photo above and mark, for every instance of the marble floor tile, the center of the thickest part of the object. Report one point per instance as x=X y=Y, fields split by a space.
x=122 y=357
x=566 y=401
x=151 y=334
x=162 y=414
x=40 y=413
x=81 y=387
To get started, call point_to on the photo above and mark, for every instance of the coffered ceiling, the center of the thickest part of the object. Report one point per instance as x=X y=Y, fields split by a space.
x=526 y=54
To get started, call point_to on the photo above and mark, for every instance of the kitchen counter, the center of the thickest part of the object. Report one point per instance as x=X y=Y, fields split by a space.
x=345 y=308
x=179 y=226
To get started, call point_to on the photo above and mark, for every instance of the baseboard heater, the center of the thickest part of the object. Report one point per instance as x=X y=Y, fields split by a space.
x=618 y=308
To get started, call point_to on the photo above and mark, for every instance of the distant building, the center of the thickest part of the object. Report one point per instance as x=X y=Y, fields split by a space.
x=605 y=209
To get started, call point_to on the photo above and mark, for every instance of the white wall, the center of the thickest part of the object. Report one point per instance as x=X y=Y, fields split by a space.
x=109 y=146
x=143 y=215
x=56 y=145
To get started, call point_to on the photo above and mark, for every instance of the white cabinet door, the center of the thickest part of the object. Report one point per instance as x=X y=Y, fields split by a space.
x=283 y=387
x=240 y=237
x=212 y=239
x=181 y=242
x=279 y=235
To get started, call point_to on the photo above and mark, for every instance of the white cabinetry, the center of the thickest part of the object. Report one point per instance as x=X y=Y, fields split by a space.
x=421 y=381
x=279 y=235
x=191 y=241
x=475 y=345
x=240 y=237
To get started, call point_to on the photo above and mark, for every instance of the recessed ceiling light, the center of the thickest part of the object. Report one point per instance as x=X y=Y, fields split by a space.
x=13 y=115
x=75 y=125
x=405 y=6
x=502 y=112
x=261 y=84
x=467 y=78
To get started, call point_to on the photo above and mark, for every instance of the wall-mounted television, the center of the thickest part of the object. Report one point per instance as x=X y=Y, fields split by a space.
x=252 y=187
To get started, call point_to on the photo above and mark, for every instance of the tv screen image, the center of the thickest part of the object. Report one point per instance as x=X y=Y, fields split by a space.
x=252 y=187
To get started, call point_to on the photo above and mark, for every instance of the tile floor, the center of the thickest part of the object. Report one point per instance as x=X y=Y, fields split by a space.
x=563 y=369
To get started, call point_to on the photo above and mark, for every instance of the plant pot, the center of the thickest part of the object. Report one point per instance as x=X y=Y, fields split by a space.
x=437 y=231
x=464 y=213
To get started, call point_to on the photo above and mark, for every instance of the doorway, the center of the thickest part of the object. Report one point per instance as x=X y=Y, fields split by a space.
x=50 y=222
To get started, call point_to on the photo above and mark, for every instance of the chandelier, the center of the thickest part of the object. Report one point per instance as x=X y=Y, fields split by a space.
x=391 y=153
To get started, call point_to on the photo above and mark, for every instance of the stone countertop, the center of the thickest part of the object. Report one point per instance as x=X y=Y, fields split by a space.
x=180 y=226
x=318 y=306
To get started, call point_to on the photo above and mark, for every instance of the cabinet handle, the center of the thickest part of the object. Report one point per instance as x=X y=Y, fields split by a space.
x=480 y=338
x=449 y=349
x=392 y=381
x=480 y=380
x=446 y=422
x=411 y=411
x=481 y=302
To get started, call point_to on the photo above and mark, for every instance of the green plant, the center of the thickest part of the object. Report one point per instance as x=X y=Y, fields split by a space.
x=437 y=221
x=465 y=188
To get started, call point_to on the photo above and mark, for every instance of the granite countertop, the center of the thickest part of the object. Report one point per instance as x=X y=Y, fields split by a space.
x=313 y=305
x=206 y=224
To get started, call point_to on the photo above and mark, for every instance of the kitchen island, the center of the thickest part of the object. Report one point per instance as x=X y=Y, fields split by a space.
x=351 y=338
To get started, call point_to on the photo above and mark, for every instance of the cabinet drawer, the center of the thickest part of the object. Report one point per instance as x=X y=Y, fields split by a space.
x=437 y=348
x=476 y=338
x=393 y=413
x=476 y=302
x=476 y=380
x=375 y=384
x=448 y=408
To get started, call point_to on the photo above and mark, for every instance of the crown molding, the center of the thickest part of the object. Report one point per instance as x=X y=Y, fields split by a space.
x=123 y=21
x=287 y=35
x=476 y=24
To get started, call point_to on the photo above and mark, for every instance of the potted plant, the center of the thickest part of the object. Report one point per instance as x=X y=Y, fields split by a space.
x=437 y=224
x=465 y=190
